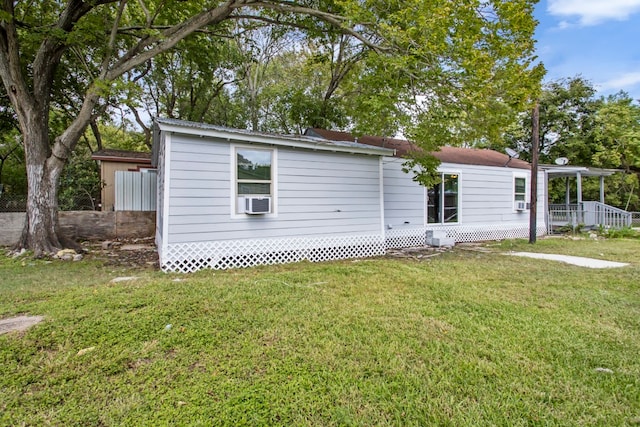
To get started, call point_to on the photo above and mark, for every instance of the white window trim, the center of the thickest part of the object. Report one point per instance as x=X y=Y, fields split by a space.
x=233 y=202
x=527 y=190
x=426 y=199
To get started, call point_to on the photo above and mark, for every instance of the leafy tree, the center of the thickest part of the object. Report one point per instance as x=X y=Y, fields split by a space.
x=456 y=55
x=616 y=137
x=12 y=170
x=567 y=111
x=296 y=93
x=616 y=133
x=80 y=183
x=589 y=131
x=188 y=83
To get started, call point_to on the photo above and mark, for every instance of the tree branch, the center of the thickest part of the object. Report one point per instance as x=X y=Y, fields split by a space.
x=52 y=47
x=10 y=65
x=141 y=123
x=168 y=39
x=330 y=18
x=112 y=38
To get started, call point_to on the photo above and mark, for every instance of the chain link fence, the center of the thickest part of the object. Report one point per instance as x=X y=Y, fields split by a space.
x=13 y=202
x=78 y=202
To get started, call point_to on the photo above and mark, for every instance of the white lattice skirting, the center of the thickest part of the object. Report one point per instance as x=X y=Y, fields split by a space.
x=190 y=257
x=473 y=233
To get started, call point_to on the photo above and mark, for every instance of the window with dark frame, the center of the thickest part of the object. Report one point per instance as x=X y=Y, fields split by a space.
x=442 y=203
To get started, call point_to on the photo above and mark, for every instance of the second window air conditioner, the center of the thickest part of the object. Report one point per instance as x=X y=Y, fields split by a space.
x=521 y=206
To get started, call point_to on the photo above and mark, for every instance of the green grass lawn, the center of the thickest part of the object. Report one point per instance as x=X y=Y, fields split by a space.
x=461 y=339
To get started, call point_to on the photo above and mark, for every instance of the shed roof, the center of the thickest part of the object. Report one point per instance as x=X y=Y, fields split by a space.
x=300 y=141
x=459 y=155
x=123 y=156
x=555 y=171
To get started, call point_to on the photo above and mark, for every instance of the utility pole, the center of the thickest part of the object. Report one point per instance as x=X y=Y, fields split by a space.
x=535 y=143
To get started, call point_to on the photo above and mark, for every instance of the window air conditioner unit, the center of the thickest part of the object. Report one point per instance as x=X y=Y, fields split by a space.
x=520 y=206
x=257 y=205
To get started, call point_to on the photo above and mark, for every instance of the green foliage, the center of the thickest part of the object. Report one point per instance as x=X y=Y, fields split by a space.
x=616 y=133
x=567 y=111
x=589 y=131
x=570 y=229
x=189 y=83
x=449 y=74
x=120 y=137
x=13 y=173
x=619 y=233
x=439 y=72
x=80 y=184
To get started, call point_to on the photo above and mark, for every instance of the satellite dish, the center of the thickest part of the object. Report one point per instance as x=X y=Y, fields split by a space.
x=513 y=154
x=561 y=161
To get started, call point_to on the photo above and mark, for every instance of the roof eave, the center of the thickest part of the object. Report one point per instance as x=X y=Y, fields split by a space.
x=121 y=159
x=276 y=140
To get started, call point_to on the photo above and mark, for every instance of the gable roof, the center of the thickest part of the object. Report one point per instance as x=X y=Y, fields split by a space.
x=123 y=156
x=459 y=155
x=400 y=146
x=477 y=156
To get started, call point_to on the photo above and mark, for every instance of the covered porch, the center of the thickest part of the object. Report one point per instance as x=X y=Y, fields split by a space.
x=587 y=213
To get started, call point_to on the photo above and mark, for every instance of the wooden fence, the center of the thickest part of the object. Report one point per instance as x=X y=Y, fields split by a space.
x=86 y=225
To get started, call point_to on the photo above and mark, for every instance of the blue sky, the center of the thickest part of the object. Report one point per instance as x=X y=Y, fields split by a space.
x=597 y=39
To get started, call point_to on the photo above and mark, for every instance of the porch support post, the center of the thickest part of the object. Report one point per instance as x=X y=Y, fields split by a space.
x=567 y=194
x=579 y=186
x=602 y=190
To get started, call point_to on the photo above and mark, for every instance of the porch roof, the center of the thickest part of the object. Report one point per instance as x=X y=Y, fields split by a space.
x=556 y=171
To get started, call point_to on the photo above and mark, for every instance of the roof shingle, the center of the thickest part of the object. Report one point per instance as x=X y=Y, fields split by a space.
x=459 y=155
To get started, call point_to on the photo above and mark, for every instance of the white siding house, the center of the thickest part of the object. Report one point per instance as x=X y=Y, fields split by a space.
x=477 y=199
x=229 y=198
x=484 y=206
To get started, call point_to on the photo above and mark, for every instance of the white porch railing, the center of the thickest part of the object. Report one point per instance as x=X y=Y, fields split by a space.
x=589 y=214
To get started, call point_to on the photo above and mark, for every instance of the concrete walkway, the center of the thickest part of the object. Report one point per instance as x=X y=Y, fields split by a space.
x=574 y=260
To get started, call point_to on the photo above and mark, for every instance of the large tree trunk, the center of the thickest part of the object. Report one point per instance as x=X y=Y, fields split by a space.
x=41 y=232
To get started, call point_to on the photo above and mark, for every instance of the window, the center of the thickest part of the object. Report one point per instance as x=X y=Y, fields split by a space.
x=254 y=170
x=520 y=189
x=442 y=200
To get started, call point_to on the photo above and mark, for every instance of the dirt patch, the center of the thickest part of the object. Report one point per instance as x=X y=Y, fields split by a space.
x=418 y=252
x=18 y=323
x=124 y=252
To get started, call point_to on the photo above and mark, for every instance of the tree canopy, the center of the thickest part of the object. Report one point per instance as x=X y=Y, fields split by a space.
x=589 y=131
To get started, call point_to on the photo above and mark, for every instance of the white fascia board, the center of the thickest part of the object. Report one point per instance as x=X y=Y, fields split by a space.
x=285 y=141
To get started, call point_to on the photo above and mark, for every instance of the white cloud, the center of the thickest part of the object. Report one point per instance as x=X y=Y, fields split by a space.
x=592 y=12
x=622 y=82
